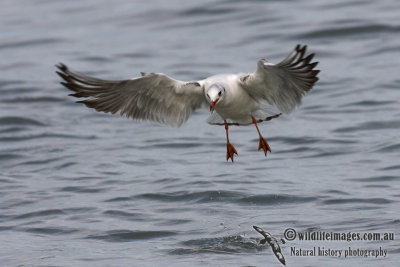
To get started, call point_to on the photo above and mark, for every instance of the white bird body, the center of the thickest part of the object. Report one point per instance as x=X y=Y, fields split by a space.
x=238 y=99
x=236 y=104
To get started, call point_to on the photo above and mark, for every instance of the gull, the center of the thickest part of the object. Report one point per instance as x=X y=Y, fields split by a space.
x=234 y=99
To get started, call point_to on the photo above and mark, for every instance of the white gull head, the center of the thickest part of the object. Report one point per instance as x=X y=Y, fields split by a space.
x=215 y=94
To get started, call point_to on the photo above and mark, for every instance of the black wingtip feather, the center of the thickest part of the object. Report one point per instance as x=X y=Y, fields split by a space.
x=313 y=65
x=63 y=76
x=62 y=67
x=301 y=64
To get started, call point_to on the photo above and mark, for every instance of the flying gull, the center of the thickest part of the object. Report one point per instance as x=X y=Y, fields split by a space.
x=234 y=99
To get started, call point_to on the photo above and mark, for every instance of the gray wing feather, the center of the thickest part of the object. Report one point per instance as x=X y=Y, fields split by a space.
x=285 y=83
x=154 y=97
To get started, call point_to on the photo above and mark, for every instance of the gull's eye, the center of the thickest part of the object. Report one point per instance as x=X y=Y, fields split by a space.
x=219 y=93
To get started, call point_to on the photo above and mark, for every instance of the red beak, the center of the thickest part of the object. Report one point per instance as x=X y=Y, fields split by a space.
x=213 y=104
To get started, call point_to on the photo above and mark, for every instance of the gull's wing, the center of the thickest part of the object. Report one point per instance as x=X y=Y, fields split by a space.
x=285 y=83
x=154 y=97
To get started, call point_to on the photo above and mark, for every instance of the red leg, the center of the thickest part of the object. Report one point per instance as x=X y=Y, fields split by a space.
x=230 y=150
x=263 y=143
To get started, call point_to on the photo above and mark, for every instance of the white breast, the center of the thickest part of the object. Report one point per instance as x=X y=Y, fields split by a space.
x=237 y=105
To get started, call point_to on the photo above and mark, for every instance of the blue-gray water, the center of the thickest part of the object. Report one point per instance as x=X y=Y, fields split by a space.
x=80 y=188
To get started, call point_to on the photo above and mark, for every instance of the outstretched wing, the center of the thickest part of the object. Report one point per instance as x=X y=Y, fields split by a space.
x=285 y=83
x=268 y=238
x=154 y=97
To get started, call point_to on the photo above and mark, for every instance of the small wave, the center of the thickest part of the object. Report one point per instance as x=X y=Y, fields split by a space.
x=296 y=150
x=20 y=90
x=271 y=199
x=295 y=140
x=377 y=50
x=119 y=199
x=392 y=85
x=348 y=31
x=143 y=162
x=52 y=212
x=369 y=103
x=17 y=203
x=127 y=235
x=19 y=121
x=17 y=65
x=125 y=215
x=334 y=192
x=44 y=99
x=12 y=129
x=199 y=197
x=96 y=59
x=174 y=222
x=176 y=145
x=390 y=148
x=65 y=165
x=393 y=167
x=4 y=83
x=206 y=11
x=49 y=230
x=332 y=153
x=373 y=125
x=222 y=196
x=385 y=178
x=40 y=213
x=4 y=157
x=46 y=135
x=378 y=201
x=135 y=55
x=7 y=180
x=81 y=189
x=225 y=245
x=30 y=43
x=41 y=162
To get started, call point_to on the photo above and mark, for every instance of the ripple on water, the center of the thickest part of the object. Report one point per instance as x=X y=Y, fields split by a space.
x=43 y=99
x=223 y=196
x=369 y=103
x=49 y=230
x=378 y=179
x=52 y=212
x=4 y=83
x=9 y=156
x=46 y=135
x=30 y=43
x=81 y=189
x=205 y=11
x=224 y=245
x=198 y=197
x=13 y=120
x=128 y=236
x=370 y=126
x=378 y=201
x=96 y=59
x=131 y=216
x=41 y=213
x=348 y=31
x=389 y=148
x=393 y=167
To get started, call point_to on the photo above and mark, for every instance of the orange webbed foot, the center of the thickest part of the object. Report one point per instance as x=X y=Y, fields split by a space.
x=230 y=150
x=264 y=145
